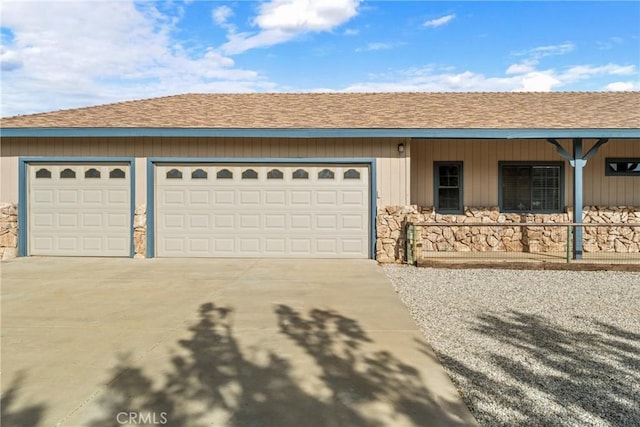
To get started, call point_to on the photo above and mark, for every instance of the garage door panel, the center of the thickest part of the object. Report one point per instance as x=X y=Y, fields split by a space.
x=224 y=197
x=224 y=221
x=249 y=197
x=67 y=197
x=92 y=197
x=275 y=222
x=301 y=197
x=199 y=221
x=88 y=213
x=199 y=197
x=263 y=214
x=326 y=198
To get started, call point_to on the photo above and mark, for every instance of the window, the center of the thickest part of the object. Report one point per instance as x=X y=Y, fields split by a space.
x=275 y=174
x=300 y=174
x=43 y=173
x=447 y=181
x=249 y=174
x=622 y=167
x=92 y=173
x=326 y=174
x=351 y=174
x=199 y=174
x=224 y=174
x=68 y=173
x=117 y=173
x=174 y=174
x=531 y=187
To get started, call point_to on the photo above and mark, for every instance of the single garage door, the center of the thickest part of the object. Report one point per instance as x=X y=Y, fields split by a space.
x=79 y=209
x=275 y=210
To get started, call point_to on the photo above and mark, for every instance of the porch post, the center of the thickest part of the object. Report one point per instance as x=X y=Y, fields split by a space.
x=578 y=165
x=577 y=162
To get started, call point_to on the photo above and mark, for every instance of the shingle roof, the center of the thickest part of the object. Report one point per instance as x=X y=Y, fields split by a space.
x=491 y=110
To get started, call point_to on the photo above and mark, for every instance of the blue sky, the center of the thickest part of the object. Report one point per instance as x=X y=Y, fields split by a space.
x=66 y=54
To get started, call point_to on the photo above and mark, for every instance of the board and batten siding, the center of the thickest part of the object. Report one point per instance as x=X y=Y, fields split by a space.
x=480 y=170
x=392 y=167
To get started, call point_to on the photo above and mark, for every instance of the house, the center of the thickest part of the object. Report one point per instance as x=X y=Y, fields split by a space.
x=310 y=175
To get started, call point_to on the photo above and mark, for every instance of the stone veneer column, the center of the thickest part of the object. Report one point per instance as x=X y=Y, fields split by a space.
x=140 y=231
x=8 y=230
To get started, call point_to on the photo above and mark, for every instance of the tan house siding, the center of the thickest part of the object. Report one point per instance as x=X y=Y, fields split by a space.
x=603 y=190
x=481 y=159
x=392 y=167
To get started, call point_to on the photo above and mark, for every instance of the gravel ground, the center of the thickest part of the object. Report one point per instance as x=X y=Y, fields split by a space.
x=533 y=348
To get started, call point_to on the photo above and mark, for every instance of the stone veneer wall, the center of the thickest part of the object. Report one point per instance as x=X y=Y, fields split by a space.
x=8 y=230
x=472 y=231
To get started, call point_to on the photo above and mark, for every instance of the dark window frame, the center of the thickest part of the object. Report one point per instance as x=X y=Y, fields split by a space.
x=532 y=164
x=608 y=172
x=437 y=186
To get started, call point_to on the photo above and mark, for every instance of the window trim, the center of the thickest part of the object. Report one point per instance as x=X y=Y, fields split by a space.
x=532 y=163
x=436 y=186
x=608 y=160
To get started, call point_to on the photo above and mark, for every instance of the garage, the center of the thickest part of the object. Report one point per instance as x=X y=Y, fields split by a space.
x=79 y=209
x=248 y=210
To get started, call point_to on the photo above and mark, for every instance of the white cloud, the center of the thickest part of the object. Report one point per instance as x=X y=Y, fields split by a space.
x=283 y=20
x=523 y=67
x=221 y=14
x=622 y=86
x=439 y=21
x=375 y=46
x=351 y=32
x=544 y=51
x=523 y=77
x=66 y=54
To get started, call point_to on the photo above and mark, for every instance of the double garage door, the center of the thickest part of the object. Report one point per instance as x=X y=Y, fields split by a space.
x=203 y=210
x=262 y=210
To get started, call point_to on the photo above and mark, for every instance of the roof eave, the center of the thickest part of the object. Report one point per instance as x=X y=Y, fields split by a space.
x=476 y=133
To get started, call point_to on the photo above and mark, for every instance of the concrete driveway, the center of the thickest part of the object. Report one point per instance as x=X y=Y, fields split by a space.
x=215 y=342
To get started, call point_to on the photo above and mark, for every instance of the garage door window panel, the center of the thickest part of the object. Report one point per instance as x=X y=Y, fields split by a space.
x=43 y=173
x=199 y=174
x=174 y=174
x=300 y=174
x=275 y=174
x=249 y=174
x=117 y=173
x=224 y=174
x=351 y=174
x=68 y=174
x=92 y=173
x=326 y=174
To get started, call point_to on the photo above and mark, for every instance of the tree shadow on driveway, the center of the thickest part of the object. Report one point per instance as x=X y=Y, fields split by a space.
x=215 y=382
x=549 y=375
x=14 y=415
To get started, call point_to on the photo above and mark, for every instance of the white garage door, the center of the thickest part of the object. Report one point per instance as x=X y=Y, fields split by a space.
x=294 y=211
x=79 y=209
